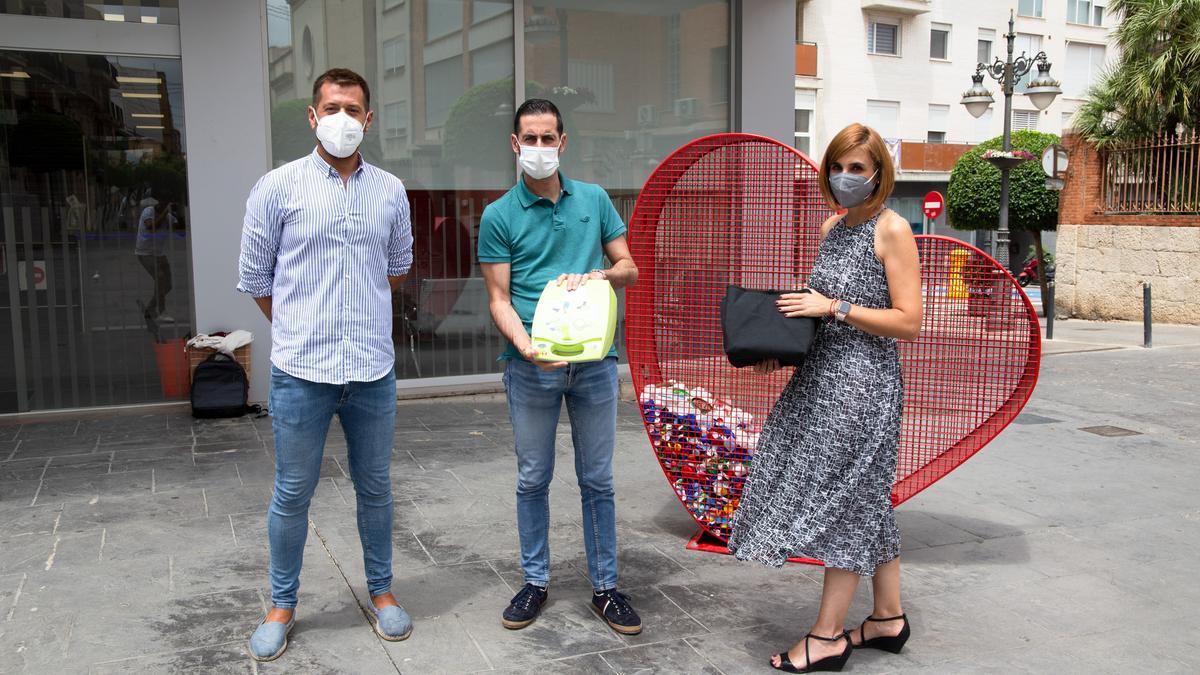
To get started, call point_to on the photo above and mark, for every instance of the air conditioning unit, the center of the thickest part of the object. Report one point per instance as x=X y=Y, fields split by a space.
x=647 y=115
x=685 y=108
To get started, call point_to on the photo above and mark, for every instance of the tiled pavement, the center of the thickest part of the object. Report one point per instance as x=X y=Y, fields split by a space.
x=136 y=543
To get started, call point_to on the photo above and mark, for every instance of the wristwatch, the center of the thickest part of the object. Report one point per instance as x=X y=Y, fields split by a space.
x=841 y=310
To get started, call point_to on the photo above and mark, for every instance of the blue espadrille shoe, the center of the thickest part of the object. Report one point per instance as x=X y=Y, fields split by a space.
x=270 y=639
x=392 y=623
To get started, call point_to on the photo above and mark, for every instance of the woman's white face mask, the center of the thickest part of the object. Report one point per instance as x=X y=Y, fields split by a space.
x=538 y=162
x=340 y=134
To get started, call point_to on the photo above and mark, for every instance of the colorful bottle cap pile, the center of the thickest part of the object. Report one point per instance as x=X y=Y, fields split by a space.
x=705 y=447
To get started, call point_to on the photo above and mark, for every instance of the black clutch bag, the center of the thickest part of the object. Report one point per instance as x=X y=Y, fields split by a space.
x=754 y=329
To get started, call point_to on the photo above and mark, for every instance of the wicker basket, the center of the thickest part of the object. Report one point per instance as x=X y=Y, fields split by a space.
x=198 y=354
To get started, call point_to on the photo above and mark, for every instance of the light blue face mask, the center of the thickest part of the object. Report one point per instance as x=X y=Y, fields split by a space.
x=850 y=190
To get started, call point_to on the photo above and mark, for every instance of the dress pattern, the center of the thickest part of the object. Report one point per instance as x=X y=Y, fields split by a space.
x=822 y=477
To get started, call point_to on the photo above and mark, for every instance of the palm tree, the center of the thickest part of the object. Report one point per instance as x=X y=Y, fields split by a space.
x=1155 y=85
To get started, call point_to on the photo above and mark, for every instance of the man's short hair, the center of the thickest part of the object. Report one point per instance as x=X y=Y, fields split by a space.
x=536 y=106
x=342 y=77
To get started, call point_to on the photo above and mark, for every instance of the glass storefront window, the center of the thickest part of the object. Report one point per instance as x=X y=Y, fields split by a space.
x=634 y=80
x=95 y=256
x=442 y=97
x=121 y=11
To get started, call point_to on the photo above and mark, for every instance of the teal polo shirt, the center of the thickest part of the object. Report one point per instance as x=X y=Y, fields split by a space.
x=541 y=239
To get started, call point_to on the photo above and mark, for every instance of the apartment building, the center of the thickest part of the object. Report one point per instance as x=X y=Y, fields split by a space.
x=901 y=67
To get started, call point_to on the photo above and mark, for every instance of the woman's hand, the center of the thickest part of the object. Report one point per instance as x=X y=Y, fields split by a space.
x=810 y=303
x=766 y=367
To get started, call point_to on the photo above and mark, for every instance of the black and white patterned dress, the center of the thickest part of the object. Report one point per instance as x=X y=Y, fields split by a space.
x=821 y=482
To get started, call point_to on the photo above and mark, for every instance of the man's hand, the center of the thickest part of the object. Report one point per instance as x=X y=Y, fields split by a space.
x=530 y=353
x=574 y=281
x=264 y=306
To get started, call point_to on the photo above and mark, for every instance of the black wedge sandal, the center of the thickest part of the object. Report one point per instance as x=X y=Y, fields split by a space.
x=888 y=643
x=828 y=664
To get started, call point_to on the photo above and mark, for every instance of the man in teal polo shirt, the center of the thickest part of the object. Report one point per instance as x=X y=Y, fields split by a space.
x=550 y=228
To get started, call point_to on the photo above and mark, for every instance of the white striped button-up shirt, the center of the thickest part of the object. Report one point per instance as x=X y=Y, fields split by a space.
x=323 y=250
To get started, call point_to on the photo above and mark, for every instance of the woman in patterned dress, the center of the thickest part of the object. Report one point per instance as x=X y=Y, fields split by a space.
x=822 y=477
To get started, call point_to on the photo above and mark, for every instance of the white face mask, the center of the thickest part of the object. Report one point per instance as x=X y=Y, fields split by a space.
x=538 y=163
x=340 y=134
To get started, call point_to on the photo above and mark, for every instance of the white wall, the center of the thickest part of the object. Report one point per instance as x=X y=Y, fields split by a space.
x=223 y=46
x=848 y=76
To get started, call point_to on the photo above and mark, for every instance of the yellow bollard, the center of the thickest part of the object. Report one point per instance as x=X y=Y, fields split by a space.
x=958 y=288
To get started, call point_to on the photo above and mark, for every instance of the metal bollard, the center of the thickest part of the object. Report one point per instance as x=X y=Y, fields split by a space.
x=1050 y=310
x=1146 y=323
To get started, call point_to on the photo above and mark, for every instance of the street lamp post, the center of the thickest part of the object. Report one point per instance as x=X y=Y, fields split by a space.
x=1041 y=92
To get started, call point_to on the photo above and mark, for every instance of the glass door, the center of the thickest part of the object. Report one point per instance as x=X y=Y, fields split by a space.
x=95 y=279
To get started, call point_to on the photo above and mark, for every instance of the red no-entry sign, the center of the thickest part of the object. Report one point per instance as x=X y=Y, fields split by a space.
x=933 y=205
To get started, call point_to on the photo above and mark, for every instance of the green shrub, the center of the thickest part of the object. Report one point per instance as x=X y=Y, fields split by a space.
x=973 y=196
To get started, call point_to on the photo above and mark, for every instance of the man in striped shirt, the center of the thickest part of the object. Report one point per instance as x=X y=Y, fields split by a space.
x=326 y=241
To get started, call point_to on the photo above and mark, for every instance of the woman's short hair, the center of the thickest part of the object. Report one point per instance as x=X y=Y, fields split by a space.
x=855 y=136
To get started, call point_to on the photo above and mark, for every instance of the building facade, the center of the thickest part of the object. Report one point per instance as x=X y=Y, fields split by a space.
x=901 y=67
x=110 y=111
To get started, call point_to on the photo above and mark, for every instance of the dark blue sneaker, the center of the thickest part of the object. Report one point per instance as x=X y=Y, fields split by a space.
x=616 y=611
x=524 y=607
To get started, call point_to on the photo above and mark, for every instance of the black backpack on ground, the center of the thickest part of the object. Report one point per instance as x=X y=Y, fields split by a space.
x=219 y=388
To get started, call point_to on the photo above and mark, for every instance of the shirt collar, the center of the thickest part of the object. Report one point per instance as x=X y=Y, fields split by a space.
x=529 y=199
x=327 y=169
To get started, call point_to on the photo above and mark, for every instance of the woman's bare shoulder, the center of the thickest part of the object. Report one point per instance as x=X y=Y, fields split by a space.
x=892 y=225
x=829 y=223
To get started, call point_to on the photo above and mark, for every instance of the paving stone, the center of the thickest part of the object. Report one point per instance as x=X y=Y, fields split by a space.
x=50 y=446
x=439 y=644
x=24 y=470
x=562 y=630
x=230 y=657
x=58 y=429
x=89 y=489
x=676 y=656
x=588 y=664
x=73 y=466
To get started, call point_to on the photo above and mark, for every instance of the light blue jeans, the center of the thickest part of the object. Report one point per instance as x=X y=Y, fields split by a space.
x=300 y=415
x=535 y=398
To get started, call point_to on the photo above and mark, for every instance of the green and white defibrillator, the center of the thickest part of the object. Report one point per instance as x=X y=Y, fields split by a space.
x=576 y=325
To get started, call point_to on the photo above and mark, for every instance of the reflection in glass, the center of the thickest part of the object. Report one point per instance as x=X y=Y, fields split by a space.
x=635 y=80
x=443 y=98
x=121 y=11
x=95 y=258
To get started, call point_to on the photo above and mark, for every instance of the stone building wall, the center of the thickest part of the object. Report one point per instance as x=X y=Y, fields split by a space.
x=1103 y=260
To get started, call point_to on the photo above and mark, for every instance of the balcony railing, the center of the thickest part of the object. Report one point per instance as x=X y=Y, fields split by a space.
x=909 y=7
x=806 y=59
x=921 y=156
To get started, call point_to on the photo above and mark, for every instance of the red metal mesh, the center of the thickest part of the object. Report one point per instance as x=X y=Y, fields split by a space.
x=746 y=210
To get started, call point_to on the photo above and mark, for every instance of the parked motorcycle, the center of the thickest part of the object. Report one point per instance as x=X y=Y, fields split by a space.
x=1030 y=273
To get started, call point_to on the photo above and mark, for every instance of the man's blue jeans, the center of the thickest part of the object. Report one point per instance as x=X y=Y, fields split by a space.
x=300 y=415
x=535 y=398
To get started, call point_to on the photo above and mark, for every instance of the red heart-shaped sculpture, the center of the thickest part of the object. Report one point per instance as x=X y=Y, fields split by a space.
x=746 y=210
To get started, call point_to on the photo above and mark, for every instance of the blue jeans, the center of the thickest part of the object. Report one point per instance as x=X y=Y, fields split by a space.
x=300 y=415
x=535 y=398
